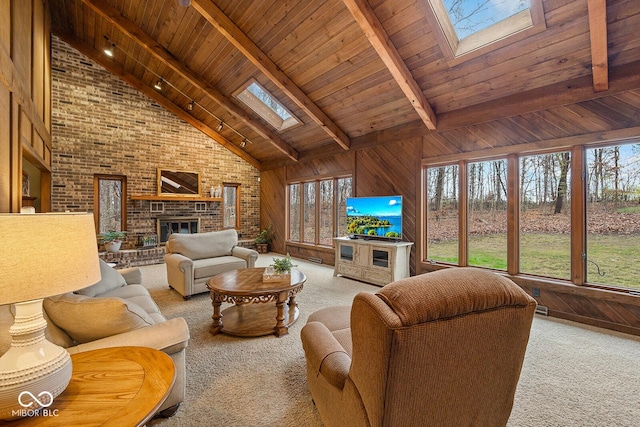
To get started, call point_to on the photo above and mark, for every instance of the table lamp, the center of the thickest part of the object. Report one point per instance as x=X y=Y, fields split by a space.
x=41 y=255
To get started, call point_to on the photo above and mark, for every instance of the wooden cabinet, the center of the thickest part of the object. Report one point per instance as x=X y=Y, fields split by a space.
x=373 y=261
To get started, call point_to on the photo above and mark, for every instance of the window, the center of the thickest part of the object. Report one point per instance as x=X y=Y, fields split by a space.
x=613 y=215
x=545 y=215
x=469 y=25
x=266 y=106
x=572 y=214
x=231 y=205
x=109 y=203
x=487 y=219
x=317 y=210
x=442 y=214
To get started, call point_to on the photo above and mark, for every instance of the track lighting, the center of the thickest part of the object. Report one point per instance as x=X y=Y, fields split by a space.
x=109 y=51
x=158 y=85
x=190 y=106
x=243 y=143
x=220 y=126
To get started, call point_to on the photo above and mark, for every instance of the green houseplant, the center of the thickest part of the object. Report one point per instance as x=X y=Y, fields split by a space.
x=113 y=240
x=263 y=239
x=283 y=265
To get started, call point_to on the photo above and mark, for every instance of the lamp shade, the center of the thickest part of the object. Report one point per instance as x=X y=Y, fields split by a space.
x=46 y=254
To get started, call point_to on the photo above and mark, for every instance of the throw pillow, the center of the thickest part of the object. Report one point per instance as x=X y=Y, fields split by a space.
x=111 y=279
x=88 y=319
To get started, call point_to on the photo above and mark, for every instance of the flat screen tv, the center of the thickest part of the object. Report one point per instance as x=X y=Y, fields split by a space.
x=375 y=217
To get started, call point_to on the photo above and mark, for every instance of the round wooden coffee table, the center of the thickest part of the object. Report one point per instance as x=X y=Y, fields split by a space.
x=253 y=313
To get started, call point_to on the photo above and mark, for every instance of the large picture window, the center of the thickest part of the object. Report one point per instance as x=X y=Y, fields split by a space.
x=569 y=214
x=317 y=210
x=442 y=214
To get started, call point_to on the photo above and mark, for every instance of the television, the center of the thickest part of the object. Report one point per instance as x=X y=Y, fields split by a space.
x=375 y=217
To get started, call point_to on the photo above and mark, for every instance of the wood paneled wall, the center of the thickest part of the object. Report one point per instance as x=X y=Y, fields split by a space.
x=25 y=99
x=389 y=162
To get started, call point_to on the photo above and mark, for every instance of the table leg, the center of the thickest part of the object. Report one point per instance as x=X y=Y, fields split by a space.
x=216 y=327
x=281 y=329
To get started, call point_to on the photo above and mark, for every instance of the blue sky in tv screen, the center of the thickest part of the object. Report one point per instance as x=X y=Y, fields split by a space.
x=375 y=216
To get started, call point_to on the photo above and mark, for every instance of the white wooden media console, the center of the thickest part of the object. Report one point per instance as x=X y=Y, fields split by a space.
x=374 y=261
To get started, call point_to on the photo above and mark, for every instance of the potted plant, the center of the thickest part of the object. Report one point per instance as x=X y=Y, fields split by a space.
x=263 y=239
x=279 y=270
x=113 y=239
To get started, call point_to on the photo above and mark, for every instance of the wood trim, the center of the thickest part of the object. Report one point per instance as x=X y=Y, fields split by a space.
x=118 y=71
x=252 y=52
x=513 y=214
x=116 y=18
x=22 y=95
x=540 y=146
x=463 y=214
x=379 y=39
x=598 y=36
x=578 y=215
x=96 y=199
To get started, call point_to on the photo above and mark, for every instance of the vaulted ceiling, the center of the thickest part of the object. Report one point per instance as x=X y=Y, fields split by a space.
x=348 y=69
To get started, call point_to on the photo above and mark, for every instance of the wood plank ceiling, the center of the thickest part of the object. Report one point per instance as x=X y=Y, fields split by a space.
x=348 y=69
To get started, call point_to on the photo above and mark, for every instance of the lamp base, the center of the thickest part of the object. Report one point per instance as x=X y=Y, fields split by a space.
x=33 y=371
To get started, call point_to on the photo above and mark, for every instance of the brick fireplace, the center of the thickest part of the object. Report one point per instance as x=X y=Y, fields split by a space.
x=169 y=225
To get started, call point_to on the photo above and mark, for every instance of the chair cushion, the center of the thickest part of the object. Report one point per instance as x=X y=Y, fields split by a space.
x=450 y=292
x=87 y=319
x=111 y=279
x=210 y=267
x=203 y=245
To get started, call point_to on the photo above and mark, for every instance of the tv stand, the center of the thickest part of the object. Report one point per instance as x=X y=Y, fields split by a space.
x=373 y=261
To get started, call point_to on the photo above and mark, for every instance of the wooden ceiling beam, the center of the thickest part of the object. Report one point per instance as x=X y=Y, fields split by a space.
x=253 y=53
x=598 y=36
x=142 y=87
x=115 y=17
x=379 y=39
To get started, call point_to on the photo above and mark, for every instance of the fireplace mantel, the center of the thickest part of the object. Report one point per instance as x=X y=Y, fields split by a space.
x=175 y=199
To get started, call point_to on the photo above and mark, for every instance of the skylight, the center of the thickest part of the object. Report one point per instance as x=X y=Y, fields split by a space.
x=469 y=25
x=266 y=106
x=470 y=16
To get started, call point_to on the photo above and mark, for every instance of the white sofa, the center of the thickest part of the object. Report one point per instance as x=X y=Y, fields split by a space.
x=192 y=259
x=116 y=311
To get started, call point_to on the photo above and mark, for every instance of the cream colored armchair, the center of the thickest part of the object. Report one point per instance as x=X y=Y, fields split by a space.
x=439 y=349
x=192 y=259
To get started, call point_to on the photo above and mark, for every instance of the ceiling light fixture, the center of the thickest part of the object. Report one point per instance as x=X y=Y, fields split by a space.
x=190 y=106
x=108 y=51
x=243 y=143
x=158 y=85
x=220 y=126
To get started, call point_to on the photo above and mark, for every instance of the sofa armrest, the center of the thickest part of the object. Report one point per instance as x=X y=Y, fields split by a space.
x=324 y=354
x=171 y=337
x=132 y=275
x=179 y=262
x=247 y=254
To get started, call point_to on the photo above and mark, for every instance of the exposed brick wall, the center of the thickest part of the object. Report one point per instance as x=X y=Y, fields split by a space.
x=101 y=125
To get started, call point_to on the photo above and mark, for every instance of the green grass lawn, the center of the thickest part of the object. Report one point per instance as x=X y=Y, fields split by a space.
x=548 y=255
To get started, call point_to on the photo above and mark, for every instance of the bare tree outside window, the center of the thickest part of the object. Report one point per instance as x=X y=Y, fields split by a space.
x=110 y=202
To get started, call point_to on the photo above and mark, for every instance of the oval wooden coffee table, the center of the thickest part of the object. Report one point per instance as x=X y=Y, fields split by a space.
x=253 y=313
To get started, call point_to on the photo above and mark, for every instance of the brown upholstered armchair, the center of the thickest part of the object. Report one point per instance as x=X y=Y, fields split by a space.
x=439 y=349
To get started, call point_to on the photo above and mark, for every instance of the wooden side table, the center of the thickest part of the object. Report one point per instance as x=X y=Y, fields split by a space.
x=119 y=386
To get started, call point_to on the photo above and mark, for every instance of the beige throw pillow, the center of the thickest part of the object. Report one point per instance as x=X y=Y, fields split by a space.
x=110 y=280
x=88 y=319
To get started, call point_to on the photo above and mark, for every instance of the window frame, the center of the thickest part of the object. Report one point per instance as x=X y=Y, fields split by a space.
x=263 y=110
x=513 y=29
x=334 y=210
x=97 y=178
x=237 y=205
x=578 y=206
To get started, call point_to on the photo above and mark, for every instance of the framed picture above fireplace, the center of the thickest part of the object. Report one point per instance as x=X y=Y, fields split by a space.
x=178 y=183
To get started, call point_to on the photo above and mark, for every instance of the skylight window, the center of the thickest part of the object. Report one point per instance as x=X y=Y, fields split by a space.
x=470 y=25
x=266 y=106
x=470 y=16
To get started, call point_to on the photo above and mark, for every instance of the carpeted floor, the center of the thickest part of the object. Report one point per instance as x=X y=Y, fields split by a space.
x=573 y=375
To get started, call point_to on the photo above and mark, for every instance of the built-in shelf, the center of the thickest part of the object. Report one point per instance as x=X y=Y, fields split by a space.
x=176 y=198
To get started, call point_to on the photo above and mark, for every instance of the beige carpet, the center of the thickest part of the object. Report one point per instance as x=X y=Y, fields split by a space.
x=572 y=376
